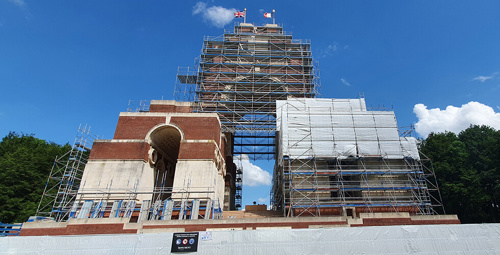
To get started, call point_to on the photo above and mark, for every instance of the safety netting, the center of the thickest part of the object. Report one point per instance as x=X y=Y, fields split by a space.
x=311 y=127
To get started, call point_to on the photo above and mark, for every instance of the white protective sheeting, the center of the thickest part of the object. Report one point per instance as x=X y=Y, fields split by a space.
x=339 y=128
x=418 y=239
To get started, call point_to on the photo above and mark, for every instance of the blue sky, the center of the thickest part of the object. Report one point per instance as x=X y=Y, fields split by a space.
x=63 y=63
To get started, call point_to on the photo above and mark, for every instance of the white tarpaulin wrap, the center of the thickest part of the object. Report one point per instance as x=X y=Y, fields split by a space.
x=339 y=128
x=418 y=239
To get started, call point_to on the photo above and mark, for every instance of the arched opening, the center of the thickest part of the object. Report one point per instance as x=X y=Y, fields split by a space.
x=165 y=141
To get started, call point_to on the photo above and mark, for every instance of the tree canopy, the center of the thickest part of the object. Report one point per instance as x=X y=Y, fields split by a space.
x=25 y=164
x=467 y=168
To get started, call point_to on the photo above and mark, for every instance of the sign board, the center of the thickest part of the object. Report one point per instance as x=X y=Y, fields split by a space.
x=185 y=242
x=206 y=236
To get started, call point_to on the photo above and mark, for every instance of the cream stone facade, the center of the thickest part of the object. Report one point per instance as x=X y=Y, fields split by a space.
x=167 y=162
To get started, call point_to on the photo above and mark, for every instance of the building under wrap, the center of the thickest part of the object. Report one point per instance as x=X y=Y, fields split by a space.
x=335 y=157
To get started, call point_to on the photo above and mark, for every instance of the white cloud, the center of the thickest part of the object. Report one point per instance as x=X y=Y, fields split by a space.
x=482 y=78
x=19 y=3
x=217 y=16
x=253 y=175
x=199 y=7
x=261 y=200
x=485 y=78
x=330 y=49
x=345 y=82
x=454 y=119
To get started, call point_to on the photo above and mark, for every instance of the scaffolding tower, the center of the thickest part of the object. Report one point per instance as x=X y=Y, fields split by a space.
x=241 y=74
x=337 y=158
x=64 y=179
x=239 y=186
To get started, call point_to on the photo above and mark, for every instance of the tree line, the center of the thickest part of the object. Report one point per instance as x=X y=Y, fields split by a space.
x=25 y=164
x=467 y=168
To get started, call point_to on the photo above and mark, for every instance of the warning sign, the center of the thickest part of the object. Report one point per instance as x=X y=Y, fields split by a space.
x=185 y=242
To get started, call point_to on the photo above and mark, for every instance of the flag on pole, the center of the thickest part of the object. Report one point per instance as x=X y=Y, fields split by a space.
x=269 y=15
x=239 y=14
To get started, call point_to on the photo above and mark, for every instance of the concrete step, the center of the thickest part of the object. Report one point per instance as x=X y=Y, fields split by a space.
x=253 y=214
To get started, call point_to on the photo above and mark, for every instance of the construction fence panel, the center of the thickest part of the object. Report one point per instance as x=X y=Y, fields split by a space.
x=417 y=239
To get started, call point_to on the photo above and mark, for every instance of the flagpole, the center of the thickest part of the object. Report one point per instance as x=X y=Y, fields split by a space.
x=274 y=21
x=245 y=17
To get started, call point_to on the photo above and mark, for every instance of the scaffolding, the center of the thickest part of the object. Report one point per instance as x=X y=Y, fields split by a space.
x=138 y=105
x=64 y=179
x=337 y=158
x=239 y=186
x=241 y=74
x=125 y=204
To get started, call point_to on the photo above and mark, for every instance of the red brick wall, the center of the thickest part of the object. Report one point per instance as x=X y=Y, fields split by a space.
x=122 y=150
x=249 y=208
x=409 y=209
x=402 y=221
x=199 y=128
x=136 y=127
x=433 y=222
x=197 y=151
x=169 y=108
x=133 y=127
x=80 y=229
x=334 y=211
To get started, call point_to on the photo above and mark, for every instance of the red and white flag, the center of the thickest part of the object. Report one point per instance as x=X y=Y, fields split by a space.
x=269 y=15
x=239 y=14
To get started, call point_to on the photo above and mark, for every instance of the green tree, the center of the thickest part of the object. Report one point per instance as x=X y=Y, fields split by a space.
x=25 y=164
x=483 y=145
x=466 y=168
